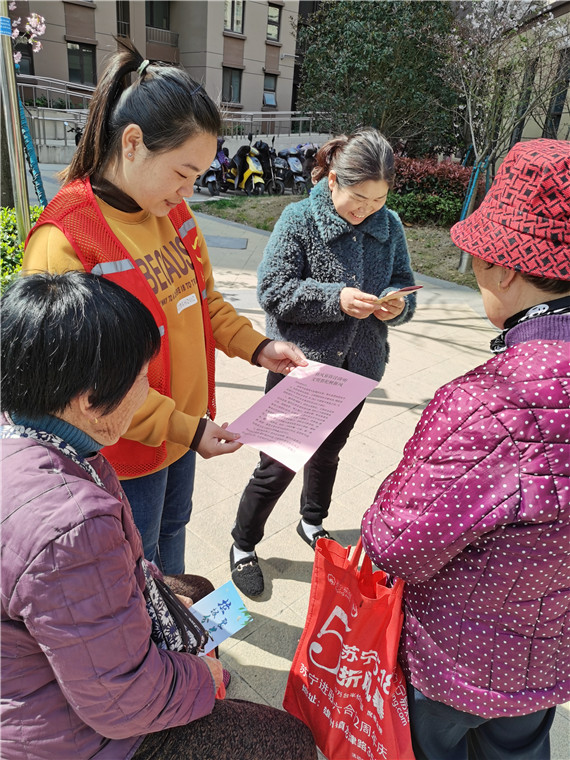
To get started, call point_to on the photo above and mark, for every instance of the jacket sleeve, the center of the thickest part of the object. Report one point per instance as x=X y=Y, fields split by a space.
x=234 y=334
x=81 y=603
x=402 y=274
x=284 y=290
x=453 y=486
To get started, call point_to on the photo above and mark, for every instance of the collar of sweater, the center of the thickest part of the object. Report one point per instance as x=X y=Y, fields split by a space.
x=549 y=327
x=83 y=444
x=332 y=226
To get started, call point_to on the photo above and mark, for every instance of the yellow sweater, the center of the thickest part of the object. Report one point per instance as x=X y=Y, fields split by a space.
x=157 y=250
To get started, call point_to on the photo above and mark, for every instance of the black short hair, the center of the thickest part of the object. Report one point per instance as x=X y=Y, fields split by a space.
x=72 y=333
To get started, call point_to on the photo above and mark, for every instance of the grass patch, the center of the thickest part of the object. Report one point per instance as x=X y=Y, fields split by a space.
x=431 y=250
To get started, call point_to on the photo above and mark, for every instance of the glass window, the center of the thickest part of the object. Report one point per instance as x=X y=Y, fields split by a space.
x=158 y=14
x=231 y=86
x=233 y=16
x=123 y=18
x=81 y=63
x=27 y=60
x=269 y=90
x=558 y=98
x=273 y=22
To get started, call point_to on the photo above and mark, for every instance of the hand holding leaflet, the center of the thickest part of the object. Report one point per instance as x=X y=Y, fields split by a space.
x=291 y=421
x=398 y=293
x=222 y=613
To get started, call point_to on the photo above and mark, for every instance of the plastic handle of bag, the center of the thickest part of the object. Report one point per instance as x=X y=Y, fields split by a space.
x=355 y=559
x=366 y=568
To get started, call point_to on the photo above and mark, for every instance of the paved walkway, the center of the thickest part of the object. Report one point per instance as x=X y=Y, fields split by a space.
x=447 y=336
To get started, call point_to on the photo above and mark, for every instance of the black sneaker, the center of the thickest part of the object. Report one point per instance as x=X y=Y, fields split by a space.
x=312 y=540
x=247 y=575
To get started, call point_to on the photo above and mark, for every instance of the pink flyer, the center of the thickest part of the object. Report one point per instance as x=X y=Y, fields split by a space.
x=291 y=421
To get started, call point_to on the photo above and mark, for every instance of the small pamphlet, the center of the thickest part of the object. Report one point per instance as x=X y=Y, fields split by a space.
x=398 y=294
x=222 y=613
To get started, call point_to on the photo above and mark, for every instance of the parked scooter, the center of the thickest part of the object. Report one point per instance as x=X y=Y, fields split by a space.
x=308 y=153
x=245 y=172
x=77 y=129
x=267 y=156
x=290 y=170
x=215 y=177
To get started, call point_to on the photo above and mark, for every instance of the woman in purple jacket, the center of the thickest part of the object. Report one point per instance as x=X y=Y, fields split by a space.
x=81 y=675
x=476 y=518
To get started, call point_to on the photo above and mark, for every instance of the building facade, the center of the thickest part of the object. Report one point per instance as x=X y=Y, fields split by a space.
x=242 y=51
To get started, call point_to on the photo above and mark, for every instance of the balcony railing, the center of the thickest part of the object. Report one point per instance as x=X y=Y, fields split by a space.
x=236 y=124
x=53 y=93
x=123 y=29
x=162 y=36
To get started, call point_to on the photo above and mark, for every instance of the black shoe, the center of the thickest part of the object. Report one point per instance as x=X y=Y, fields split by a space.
x=247 y=575
x=311 y=540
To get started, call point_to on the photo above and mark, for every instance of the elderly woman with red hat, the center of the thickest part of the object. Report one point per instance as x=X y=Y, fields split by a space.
x=476 y=517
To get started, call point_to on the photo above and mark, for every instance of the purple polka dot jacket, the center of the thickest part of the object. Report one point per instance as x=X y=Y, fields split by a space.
x=476 y=520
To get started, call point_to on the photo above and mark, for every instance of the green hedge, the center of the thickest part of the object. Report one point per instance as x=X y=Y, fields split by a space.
x=11 y=251
x=427 y=191
x=423 y=208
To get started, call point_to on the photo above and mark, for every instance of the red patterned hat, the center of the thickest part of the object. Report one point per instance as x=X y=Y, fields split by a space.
x=524 y=221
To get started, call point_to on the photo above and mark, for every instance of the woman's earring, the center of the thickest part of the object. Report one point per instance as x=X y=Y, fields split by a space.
x=129 y=155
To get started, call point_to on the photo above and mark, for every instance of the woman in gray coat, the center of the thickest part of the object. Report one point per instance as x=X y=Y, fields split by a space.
x=327 y=261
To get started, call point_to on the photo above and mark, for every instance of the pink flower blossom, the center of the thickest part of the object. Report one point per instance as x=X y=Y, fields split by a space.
x=36 y=46
x=17 y=57
x=36 y=24
x=12 y=6
x=15 y=33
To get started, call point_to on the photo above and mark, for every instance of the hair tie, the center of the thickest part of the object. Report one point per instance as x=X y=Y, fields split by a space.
x=142 y=68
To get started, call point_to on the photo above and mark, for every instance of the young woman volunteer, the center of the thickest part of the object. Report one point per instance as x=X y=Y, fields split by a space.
x=326 y=262
x=122 y=214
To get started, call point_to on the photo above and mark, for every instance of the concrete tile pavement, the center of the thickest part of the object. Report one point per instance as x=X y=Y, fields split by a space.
x=448 y=336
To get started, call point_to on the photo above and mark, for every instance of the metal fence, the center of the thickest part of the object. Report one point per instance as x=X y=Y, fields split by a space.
x=43 y=92
x=268 y=123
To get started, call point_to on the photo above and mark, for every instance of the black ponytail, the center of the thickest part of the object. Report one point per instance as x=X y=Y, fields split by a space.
x=163 y=100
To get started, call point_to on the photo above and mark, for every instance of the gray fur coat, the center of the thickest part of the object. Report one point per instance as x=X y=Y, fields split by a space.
x=311 y=256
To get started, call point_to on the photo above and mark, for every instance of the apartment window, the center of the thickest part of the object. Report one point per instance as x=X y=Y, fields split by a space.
x=269 y=90
x=81 y=63
x=273 y=22
x=231 y=86
x=558 y=99
x=158 y=14
x=524 y=100
x=233 y=16
x=123 y=18
x=26 y=65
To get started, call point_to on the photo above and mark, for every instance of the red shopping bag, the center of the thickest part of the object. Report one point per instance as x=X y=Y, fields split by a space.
x=345 y=682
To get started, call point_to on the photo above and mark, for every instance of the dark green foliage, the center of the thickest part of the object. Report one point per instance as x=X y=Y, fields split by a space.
x=371 y=64
x=11 y=251
x=420 y=208
x=428 y=191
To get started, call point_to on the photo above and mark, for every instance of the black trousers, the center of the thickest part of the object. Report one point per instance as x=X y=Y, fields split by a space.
x=440 y=731
x=270 y=479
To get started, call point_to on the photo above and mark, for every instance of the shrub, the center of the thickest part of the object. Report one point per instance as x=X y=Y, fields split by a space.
x=426 y=190
x=11 y=250
x=420 y=208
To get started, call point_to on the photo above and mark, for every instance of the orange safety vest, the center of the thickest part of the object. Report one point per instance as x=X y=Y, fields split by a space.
x=75 y=212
